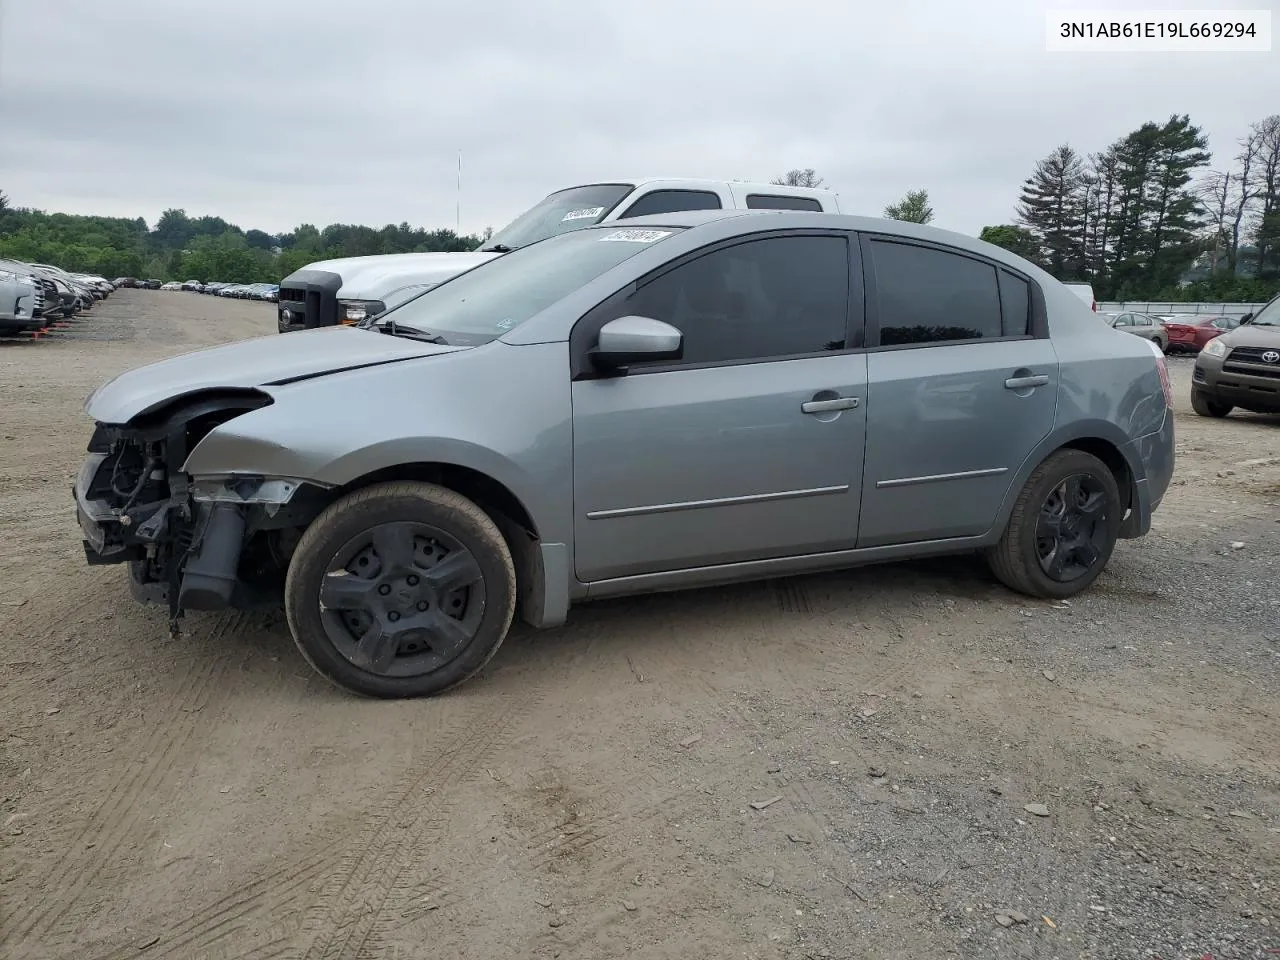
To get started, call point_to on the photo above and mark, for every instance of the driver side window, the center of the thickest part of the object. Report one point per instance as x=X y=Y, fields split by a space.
x=1124 y=320
x=765 y=299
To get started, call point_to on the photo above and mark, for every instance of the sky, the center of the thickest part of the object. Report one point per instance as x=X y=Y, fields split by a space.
x=272 y=113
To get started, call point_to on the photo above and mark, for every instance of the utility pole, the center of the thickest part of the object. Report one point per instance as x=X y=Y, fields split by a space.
x=458 y=213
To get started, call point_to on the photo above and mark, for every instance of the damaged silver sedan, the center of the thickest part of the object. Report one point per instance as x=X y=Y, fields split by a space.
x=699 y=398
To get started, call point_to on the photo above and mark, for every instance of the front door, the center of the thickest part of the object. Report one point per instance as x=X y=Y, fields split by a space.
x=962 y=387
x=750 y=446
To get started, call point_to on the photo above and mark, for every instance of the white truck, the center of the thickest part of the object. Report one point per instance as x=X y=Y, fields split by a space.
x=331 y=292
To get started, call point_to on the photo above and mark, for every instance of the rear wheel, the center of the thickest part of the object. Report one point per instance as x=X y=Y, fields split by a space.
x=400 y=590
x=1063 y=528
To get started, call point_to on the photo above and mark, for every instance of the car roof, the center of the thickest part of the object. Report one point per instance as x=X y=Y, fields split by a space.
x=695 y=182
x=758 y=220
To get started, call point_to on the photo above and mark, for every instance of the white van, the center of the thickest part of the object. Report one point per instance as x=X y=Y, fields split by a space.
x=1085 y=292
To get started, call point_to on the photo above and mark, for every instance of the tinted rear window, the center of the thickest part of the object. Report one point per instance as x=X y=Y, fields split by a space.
x=672 y=201
x=768 y=201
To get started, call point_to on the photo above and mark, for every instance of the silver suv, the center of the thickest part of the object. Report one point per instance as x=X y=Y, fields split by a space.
x=694 y=398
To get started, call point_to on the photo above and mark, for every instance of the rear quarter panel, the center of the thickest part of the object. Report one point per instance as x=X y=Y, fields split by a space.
x=1109 y=388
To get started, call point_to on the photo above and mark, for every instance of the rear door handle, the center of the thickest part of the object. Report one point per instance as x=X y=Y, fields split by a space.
x=823 y=406
x=1022 y=383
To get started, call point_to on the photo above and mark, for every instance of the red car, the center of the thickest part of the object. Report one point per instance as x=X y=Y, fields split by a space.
x=1191 y=332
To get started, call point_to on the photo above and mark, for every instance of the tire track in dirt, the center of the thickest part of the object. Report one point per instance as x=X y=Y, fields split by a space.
x=373 y=869
x=204 y=932
x=627 y=806
x=792 y=595
x=281 y=899
x=96 y=845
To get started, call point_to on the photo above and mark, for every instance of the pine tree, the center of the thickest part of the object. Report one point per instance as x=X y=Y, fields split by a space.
x=913 y=208
x=1052 y=208
x=1173 y=210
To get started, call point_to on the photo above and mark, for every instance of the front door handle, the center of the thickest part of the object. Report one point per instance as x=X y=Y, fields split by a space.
x=823 y=406
x=1022 y=383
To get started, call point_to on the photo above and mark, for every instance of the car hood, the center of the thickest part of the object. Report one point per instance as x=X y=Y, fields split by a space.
x=263 y=361
x=372 y=278
x=1251 y=336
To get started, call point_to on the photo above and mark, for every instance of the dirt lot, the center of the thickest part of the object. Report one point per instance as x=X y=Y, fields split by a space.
x=591 y=794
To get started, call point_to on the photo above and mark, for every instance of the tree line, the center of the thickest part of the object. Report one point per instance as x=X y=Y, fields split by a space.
x=1146 y=218
x=181 y=247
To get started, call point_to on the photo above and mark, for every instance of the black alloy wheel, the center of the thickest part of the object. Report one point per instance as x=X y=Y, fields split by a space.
x=1062 y=528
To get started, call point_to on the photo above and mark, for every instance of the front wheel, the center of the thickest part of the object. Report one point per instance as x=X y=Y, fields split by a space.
x=400 y=590
x=1209 y=408
x=1063 y=528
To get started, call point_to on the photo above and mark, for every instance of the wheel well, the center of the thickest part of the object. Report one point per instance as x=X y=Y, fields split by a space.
x=1109 y=454
x=504 y=509
x=488 y=494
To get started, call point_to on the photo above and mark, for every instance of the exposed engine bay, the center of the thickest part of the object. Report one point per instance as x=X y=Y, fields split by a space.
x=193 y=543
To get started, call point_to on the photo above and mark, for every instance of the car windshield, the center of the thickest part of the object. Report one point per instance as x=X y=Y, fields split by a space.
x=485 y=302
x=561 y=212
x=1268 y=316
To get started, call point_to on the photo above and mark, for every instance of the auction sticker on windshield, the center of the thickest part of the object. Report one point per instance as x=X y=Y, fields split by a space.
x=586 y=213
x=637 y=236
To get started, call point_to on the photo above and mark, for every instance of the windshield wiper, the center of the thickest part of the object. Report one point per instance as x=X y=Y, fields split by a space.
x=497 y=248
x=400 y=330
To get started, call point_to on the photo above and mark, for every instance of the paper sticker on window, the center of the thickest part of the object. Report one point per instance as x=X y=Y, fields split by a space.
x=586 y=213
x=637 y=236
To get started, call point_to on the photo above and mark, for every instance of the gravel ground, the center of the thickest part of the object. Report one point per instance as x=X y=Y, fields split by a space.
x=885 y=763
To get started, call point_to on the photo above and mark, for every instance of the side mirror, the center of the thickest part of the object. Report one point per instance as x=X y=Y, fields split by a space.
x=628 y=340
x=1246 y=318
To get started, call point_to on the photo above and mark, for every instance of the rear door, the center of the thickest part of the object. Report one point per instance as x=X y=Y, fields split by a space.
x=962 y=385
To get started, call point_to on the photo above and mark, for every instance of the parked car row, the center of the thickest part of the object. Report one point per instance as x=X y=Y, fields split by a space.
x=1173 y=332
x=34 y=296
x=243 y=291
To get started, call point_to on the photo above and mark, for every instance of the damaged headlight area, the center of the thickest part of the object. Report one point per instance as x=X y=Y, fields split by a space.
x=270 y=493
x=201 y=543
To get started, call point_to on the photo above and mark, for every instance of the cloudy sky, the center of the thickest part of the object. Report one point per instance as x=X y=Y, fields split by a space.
x=272 y=113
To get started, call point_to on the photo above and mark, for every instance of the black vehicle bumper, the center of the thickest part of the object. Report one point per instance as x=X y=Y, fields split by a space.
x=308 y=299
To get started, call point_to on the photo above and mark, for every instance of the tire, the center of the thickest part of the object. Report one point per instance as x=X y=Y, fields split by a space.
x=1209 y=408
x=453 y=631
x=1163 y=344
x=1016 y=558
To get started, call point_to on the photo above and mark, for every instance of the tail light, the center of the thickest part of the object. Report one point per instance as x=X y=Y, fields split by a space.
x=1095 y=306
x=1163 y=369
